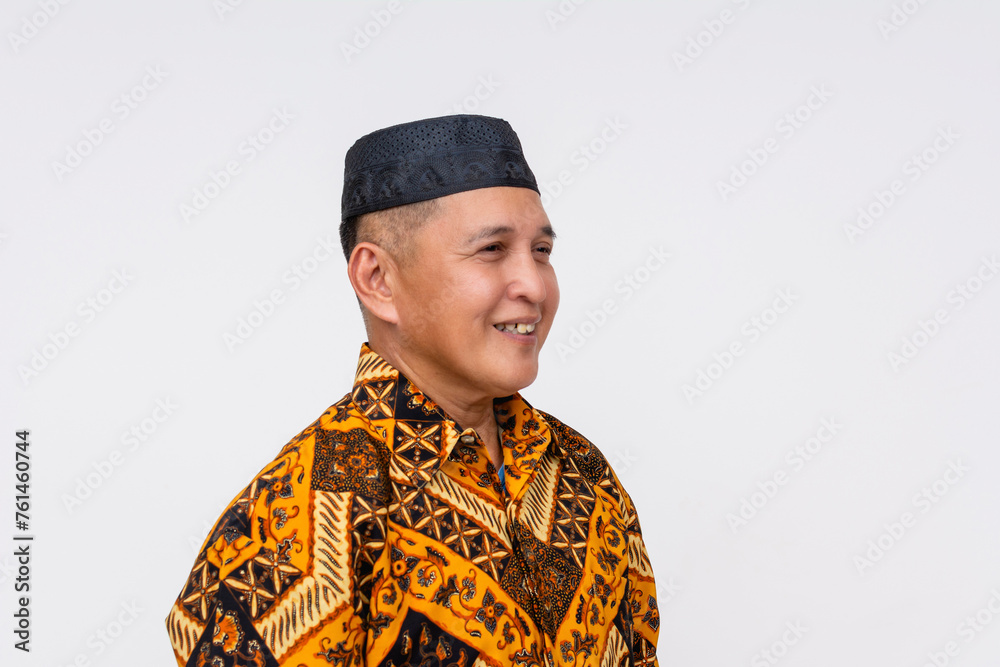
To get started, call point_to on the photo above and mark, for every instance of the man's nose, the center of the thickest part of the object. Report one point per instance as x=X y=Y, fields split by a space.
x=525 y=278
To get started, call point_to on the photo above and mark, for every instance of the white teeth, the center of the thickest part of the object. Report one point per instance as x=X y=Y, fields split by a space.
x=519 y=327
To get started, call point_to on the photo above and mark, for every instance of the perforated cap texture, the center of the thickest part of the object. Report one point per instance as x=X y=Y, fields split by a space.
x=431 y=158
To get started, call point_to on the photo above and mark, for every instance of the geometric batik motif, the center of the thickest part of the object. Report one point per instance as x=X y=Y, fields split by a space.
x=571 y=520
x=229 y=639
x=417 y=450
x=198 y=596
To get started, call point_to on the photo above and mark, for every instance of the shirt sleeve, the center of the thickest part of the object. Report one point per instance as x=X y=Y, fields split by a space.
x=642 y=590
x=214 y=613
x=276 y=581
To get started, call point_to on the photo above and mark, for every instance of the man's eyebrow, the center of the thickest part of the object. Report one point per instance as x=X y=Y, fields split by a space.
x=495 y=230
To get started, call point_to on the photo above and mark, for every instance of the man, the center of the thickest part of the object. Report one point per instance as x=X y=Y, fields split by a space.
x=432 y=516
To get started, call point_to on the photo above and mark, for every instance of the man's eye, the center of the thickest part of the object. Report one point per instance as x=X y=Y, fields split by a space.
x=492 y=246
x=544 y=248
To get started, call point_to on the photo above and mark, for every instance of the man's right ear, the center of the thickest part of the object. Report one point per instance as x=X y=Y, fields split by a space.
x=372 y=274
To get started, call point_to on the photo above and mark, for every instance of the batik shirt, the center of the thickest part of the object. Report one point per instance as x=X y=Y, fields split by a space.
x=381 y=535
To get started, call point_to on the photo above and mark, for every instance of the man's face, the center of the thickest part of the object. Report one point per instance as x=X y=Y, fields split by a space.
x=483 y=260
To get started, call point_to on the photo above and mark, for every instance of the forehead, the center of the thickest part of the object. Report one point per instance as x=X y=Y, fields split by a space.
x=467 y=217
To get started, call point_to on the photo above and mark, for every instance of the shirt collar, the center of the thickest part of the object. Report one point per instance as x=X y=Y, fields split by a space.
x=420 y=435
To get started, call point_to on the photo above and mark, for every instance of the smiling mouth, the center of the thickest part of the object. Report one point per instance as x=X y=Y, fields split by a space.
x=515 y=328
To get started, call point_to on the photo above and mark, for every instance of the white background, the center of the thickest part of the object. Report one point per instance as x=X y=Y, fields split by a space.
x=727 y=588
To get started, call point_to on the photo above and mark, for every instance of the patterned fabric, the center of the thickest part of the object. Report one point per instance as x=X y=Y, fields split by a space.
x=430 y=158
x=381 y=535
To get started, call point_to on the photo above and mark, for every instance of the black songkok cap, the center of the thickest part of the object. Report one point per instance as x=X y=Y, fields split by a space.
x=431 y=158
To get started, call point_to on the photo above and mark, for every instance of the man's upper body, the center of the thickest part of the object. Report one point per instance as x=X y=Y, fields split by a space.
x=381 y=535
x=432 y=516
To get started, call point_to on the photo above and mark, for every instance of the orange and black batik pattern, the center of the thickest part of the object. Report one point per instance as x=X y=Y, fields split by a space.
x=381 y=535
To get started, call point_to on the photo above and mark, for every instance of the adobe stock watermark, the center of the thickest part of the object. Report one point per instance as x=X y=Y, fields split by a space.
x=928 y=329
x=247 y=151
x=621 y=460
x=751 y=331
x=105 y=636
x=59 y=340
x=899 y=16
x=225 y=7
x=103 y=469
x=668 y=592
x=923 y=501
x=712 y=30
x=627 y=286
x=294 y=277
x=120 y=109
x=470 y=103
x=794 y=631
x=796 y=459
x=582 y=158
x=970 y=628
x=913 y=168
x=562 y=12
x=8 y=569
x=31 y=25
x=786 y=127
x=364 y=34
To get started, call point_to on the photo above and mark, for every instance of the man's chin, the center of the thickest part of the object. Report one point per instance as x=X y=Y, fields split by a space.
x=514 y=380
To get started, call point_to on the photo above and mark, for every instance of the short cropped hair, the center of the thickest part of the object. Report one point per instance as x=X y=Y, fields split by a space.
x=390 y=229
